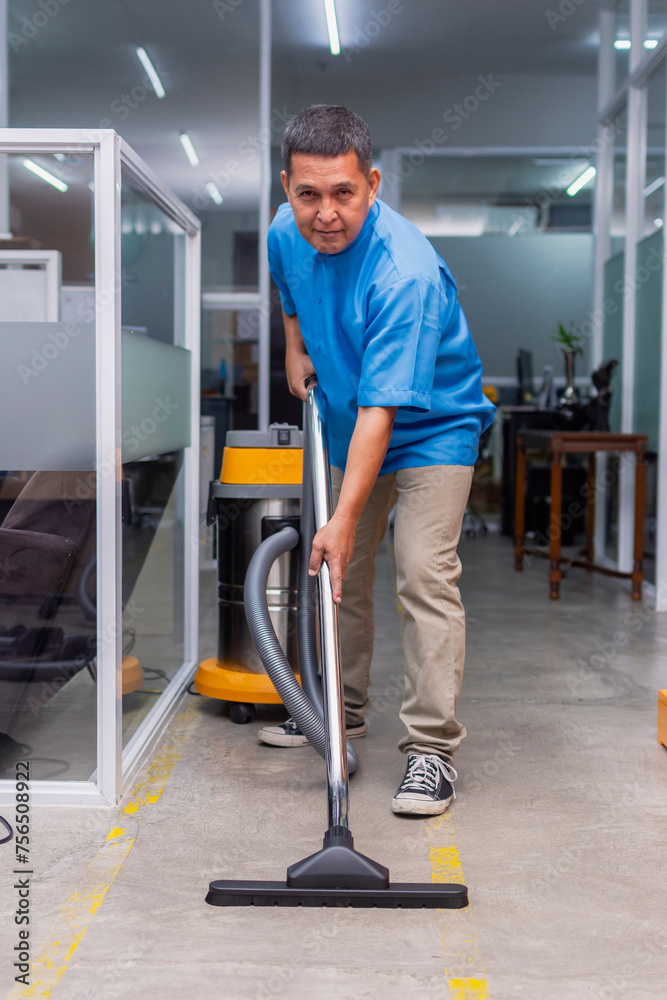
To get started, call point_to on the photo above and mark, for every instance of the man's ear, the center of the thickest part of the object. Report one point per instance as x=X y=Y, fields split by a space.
x=285 y=179
x=373 y=184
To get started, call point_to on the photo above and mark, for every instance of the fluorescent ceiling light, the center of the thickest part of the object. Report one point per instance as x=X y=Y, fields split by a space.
x=151 y=72
x=186 y=143
x=334 y=41
x=625 y=43
x=650 y=188
x=581 y=181
x=213 y=192
x=45 y=175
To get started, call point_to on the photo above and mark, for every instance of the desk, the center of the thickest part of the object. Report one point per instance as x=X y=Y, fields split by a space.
x=557 y=444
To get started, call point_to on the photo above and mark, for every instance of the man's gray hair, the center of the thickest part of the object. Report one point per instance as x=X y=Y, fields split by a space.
x=327 y=130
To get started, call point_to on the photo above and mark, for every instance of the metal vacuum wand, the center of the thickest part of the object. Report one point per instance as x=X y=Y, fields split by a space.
x=332 y=683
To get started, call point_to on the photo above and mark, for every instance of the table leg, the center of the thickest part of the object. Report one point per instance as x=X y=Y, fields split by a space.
x=555 y=574
x=640 y=501
x=519 y=505
x=590 y=508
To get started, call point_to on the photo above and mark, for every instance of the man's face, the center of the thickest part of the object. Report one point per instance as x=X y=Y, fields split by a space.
x=330 y=198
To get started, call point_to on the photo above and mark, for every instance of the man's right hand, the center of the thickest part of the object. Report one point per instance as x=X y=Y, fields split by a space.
x=299 y=369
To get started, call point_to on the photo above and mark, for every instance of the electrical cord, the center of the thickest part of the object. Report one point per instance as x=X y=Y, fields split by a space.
x=153 y=674
x=132 y=638
x=11 y=832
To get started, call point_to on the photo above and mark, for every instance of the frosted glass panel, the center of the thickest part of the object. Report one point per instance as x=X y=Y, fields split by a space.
x=47 y=393
x=156 y=397
x=648 y=323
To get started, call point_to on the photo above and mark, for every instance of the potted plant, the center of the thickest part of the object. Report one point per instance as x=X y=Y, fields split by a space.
x=569 y=343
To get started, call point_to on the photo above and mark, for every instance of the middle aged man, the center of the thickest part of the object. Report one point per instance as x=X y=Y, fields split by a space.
x=371 y=310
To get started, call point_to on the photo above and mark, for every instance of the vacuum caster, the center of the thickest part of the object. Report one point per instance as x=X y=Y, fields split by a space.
x=240 y=712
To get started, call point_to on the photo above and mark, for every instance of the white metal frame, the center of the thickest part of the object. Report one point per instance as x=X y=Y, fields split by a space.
x=112 y=158
x=612 y=96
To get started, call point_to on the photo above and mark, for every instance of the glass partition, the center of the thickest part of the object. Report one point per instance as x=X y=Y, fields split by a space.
x=648 y=305
x=48 y=511
x=654 y=183
x=98 y=543
x=156 y=409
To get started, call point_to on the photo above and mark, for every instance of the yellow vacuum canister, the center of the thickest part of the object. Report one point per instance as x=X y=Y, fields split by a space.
x=258 y=493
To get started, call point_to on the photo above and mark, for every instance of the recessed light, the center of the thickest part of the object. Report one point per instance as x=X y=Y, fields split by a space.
x=45 y=175
x=213 y=192
x=581 y=181
x=190 y=152
x=151 y=72
x=332 y=27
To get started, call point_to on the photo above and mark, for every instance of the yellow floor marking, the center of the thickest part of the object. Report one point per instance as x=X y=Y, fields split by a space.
x=466 y=972
x=466 y=975
x=468 y=989
x=75 y=915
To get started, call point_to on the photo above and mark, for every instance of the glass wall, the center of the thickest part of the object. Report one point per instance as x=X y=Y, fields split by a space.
x=156 y=414
x=648 y=304
x=614 y=296
x=635 y=220
x=48 y=516
x=98 y=544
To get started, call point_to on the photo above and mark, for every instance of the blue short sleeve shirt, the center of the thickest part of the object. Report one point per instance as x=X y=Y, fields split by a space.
x=383 y=327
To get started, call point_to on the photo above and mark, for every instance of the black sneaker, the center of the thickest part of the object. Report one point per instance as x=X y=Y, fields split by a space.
x=426 y=788
x=288 y=734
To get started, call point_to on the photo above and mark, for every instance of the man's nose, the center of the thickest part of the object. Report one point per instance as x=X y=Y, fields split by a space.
x=327 y=211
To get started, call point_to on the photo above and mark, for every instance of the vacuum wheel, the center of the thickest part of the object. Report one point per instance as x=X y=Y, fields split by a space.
x=240 y=712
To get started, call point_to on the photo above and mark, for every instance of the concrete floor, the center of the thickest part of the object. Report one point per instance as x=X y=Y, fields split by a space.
x=559 y=830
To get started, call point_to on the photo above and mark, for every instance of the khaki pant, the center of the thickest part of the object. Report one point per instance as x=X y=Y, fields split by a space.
x=430 y=506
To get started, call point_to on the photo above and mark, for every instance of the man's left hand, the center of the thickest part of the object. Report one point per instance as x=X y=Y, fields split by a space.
x=335 y=544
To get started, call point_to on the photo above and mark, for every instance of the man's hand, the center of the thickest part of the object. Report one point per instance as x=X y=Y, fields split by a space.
x=335 y=543
x=299 y=368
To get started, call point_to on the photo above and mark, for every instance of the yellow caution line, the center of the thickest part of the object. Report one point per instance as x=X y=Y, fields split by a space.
x=466 y=971
x=466 y=977
x=75 y=915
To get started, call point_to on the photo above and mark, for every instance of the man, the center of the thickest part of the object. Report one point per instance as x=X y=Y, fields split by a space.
x=371 y=309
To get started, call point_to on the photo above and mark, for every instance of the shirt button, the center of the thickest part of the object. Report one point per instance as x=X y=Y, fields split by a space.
x=318 y=299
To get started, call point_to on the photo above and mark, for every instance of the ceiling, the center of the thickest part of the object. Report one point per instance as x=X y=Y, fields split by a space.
x=81 y=69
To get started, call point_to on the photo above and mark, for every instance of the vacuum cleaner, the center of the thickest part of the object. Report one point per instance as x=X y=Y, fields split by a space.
x=336 y=875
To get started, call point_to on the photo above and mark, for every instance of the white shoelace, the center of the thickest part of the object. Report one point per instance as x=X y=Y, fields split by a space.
x=423 y=771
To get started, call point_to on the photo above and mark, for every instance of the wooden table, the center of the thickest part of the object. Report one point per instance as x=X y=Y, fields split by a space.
x=558 y=444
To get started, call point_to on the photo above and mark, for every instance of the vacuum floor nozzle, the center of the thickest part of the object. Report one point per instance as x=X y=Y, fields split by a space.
x=407 y=895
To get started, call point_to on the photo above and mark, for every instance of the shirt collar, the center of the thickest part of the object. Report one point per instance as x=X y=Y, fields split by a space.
x=373 y=213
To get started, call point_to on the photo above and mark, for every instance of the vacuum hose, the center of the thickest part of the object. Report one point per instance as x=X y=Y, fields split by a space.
x=304 y=704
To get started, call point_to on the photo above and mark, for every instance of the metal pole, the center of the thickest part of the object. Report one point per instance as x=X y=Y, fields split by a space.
x=332 y=682
x=264 y=347
x=4 y=122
